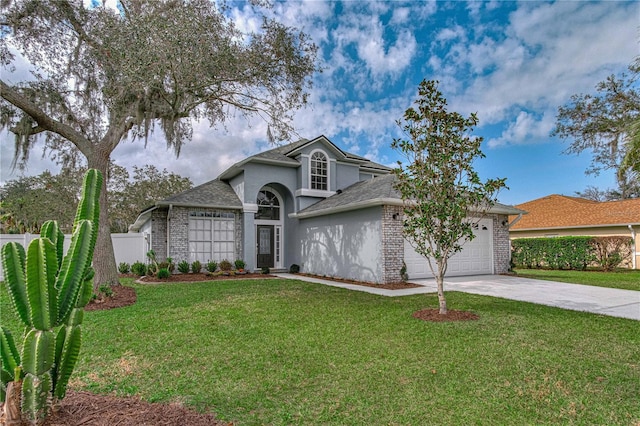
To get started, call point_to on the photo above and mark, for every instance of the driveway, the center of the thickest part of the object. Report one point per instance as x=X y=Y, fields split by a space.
x=577 y=297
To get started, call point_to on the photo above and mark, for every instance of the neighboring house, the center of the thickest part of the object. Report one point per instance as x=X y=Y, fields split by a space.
x=309 y=203
x=559 y=215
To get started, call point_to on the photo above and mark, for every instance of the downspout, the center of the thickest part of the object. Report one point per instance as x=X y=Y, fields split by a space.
x=168 y=231
x=516 y=220
x=635 y=254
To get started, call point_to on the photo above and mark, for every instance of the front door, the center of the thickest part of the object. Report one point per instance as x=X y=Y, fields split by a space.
x=265 y=246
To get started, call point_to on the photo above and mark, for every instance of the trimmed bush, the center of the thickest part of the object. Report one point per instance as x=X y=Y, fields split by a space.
x=554 y=253
x=163 y=273
x=294 y=269
x=610 y=252
x=239 y=264
x=225 y=265
x=212 y=266
x=124 y=267
x=183 y=267
x=196 y=267
x=139 y=269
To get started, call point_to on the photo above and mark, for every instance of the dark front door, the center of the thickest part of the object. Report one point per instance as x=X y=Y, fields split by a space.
x=265 y=246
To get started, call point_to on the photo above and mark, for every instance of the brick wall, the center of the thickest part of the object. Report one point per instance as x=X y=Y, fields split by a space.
x=392 y=244
x=501 y=245
x=159 y=233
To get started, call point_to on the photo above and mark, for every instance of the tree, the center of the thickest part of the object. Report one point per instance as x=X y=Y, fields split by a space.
x=147 y=186
x=102 y=75
x=443 y=195
x=605 y=124
x=31 y=201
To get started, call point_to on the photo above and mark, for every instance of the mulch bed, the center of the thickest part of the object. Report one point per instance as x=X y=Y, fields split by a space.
x=84 y=408
x=81 y=408
x=190 y=278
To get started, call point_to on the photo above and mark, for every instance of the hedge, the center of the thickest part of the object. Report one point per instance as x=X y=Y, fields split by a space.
x=570 y=252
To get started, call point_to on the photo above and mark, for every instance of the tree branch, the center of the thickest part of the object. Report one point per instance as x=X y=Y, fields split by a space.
x=45 y=123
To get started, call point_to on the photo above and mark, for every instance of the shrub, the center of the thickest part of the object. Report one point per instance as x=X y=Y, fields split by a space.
x=239 y=264
x=555 y=253
x=183 y=267
x=124 y=267
x=609 y=252
x=139 y=269
x=266 y=270
x=225 y=265
x=163 y=273
x=294 y=269
x=212 y=266
x=196 y=267
x=106 y=290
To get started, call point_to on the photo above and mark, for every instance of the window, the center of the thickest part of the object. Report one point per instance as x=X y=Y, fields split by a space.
x=268 y=206
x=211 y=236
x=319 y=171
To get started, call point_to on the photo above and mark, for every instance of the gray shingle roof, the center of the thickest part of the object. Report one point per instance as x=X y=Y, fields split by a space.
x=214 y=193
x=376 y=191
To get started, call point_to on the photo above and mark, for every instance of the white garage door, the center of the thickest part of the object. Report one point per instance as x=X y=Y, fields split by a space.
x=476 y=257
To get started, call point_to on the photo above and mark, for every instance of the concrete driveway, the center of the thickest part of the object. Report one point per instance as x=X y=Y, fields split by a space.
x=599 y=300
x=577 y=297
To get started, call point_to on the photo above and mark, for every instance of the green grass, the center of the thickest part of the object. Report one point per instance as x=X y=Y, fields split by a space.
x=623 y=278
x=281 y=352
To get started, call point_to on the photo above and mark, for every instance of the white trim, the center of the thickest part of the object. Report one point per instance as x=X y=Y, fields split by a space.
x=328 y=165
x=276 y=224
x=304 y=192
x=250 y=207
x=613 y=225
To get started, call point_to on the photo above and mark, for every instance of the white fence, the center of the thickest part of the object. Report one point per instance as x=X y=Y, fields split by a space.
x=128 y=248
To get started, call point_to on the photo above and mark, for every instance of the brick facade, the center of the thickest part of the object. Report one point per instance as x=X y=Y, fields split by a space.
x=392 y=244
x=178 y=238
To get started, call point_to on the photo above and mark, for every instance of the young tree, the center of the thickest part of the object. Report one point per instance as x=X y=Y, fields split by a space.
x=443 y=195
x=605 y=123
x=104 y=74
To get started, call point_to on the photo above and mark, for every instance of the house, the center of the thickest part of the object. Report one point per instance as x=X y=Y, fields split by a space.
x=312 y=204
x=560 y=215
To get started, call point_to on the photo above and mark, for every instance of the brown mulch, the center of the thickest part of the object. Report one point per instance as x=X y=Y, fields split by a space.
x=190 y=278
x=122 y=296
x=434 y=315
x=84 y=408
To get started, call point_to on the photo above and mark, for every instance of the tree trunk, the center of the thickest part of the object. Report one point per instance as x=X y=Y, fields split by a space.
x=104 y=259
x=12 y=415
x=441 y=300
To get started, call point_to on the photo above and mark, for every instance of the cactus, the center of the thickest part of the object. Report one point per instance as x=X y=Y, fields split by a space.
x=49 y=291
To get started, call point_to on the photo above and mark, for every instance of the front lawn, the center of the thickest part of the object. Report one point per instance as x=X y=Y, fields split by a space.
x=283 y=352
x=623 y=278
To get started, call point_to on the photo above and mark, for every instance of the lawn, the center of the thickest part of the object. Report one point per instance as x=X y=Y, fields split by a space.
x=284 y=352
x=622 y=278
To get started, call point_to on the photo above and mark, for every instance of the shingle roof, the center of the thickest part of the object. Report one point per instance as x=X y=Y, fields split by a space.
x=376 y=191
x=215 y=193
x=560 y=211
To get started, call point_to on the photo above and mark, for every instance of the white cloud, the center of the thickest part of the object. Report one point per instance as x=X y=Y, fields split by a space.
x=526 y=129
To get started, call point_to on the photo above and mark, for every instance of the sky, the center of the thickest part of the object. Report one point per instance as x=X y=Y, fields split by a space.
x=512 y=63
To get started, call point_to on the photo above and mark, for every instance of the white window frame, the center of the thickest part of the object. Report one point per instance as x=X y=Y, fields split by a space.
x=328 y=168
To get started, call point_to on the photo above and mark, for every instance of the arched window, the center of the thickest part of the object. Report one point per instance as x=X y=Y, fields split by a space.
x=319 y=171
x=268 y=206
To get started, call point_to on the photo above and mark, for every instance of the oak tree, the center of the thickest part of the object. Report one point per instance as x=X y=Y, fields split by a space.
x=103 y=74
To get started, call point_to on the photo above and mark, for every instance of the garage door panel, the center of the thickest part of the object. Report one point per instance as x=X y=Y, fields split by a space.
x=476 y=257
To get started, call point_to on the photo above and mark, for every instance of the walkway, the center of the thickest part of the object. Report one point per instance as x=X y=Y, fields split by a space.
x=577 y=297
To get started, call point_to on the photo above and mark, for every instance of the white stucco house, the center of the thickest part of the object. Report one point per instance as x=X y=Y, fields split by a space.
x=311 y=204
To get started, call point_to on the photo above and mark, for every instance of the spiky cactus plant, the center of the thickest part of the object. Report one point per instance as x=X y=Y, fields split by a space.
x=48 y=292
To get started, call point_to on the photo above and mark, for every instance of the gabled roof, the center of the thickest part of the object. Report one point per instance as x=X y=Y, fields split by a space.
x=213 y=194
x=285 y=156
x=560 y=211
x=373 y=192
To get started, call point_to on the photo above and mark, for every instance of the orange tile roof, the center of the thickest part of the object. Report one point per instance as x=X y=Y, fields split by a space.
x=560 y=211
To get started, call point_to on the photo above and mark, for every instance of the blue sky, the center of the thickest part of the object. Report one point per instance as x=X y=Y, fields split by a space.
x=512 y=63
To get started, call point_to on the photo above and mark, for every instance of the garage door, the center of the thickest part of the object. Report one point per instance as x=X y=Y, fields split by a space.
x=476 y=257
